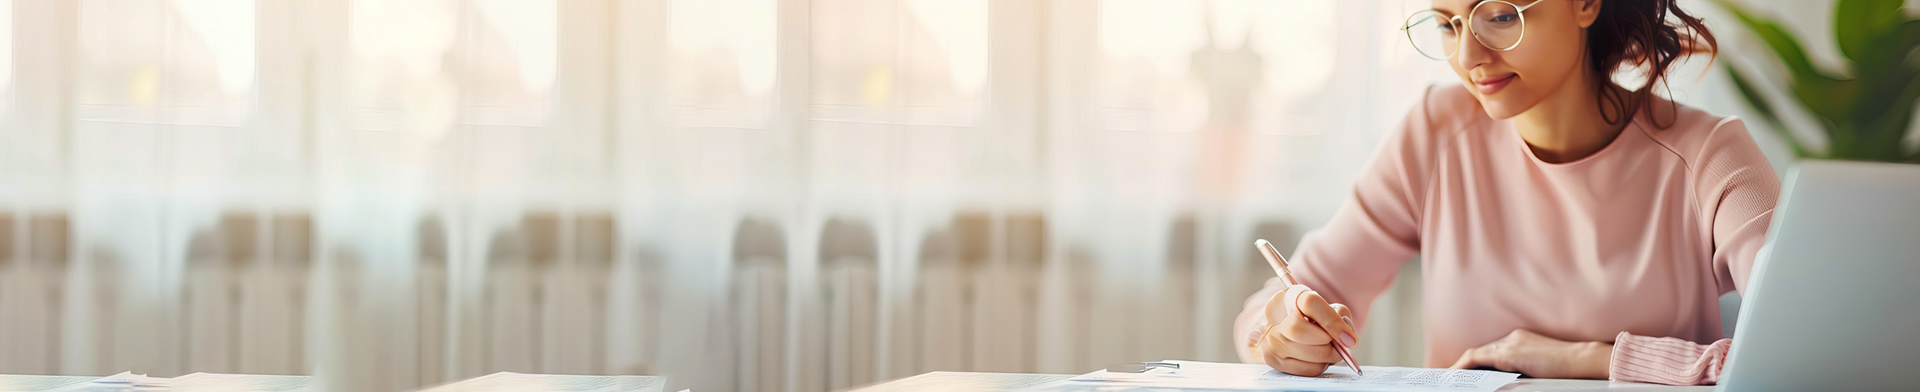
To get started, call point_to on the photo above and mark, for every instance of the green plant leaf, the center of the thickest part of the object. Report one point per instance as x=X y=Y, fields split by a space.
x=1866 y=108
x=1885 y=63
x=1833 y=100
x=1777 y=38
x=1765 y=111
x=1897 y=118
x=1825 y=95
x=1890 y=87
x=1886 y=106
x=1856 y=24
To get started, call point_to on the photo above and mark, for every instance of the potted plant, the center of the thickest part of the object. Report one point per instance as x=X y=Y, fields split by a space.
x=1864 y=110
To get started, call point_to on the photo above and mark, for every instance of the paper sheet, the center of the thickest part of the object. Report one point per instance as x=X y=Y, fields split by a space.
x=968 y=382
x=520 y=382
x=24 y=383
x=125 y=381
x=1235 y=376
x=241 y=382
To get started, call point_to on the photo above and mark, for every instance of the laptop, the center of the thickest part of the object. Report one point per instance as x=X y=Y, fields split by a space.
x=1834 y=300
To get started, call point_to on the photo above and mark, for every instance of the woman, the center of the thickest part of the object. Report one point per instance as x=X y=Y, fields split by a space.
x=1567 y=226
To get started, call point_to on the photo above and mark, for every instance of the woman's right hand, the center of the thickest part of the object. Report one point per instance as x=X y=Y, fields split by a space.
x=1301 y=342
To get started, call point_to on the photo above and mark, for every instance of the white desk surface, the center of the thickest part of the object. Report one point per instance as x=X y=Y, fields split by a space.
x=966 y=381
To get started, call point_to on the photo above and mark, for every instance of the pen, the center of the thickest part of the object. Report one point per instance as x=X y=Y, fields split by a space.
x=1279 y=264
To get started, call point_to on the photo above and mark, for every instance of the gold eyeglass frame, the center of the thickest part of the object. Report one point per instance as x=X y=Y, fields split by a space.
x=1406 y=28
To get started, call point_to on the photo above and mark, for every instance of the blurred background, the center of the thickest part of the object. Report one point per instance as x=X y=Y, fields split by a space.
x=751 y=195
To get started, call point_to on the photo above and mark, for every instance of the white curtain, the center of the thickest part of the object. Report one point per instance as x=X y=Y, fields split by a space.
x=768 y=195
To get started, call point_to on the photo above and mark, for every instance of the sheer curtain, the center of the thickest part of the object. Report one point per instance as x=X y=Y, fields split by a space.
x=743 y=195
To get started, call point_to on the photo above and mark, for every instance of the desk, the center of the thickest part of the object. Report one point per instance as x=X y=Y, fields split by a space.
x=965 y=381
x=502 y=381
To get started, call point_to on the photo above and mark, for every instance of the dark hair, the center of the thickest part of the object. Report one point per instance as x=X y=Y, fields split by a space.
x=1637 y=33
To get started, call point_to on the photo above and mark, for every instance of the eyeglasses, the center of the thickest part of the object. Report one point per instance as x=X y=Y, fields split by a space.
x=1496 y=24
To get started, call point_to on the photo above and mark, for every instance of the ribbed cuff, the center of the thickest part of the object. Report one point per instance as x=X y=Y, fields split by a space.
x=1667 y=360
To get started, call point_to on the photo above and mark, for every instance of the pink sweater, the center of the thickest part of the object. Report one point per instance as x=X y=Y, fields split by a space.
x=1636 y=241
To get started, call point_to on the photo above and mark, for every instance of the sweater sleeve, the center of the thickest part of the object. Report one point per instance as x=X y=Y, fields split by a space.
x=1353 y=258
x=1668 y=361
x=1737 y=191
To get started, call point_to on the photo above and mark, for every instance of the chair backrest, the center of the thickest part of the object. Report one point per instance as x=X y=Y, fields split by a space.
x=759 y=305
x=32 y=273
x=516 y=261
x=214 y=260
x=849 y=296
x=573 y=300
x=430 y=281
x=1007 y=297
x=946 y=298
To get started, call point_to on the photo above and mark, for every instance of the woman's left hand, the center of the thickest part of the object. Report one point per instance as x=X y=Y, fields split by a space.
x=1536 y=355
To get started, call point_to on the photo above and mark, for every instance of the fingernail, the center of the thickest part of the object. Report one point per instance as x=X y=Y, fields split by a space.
x=1351 y=342
x=1347 y=339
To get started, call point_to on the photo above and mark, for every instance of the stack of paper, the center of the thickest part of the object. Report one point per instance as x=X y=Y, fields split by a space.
x=1235 y=376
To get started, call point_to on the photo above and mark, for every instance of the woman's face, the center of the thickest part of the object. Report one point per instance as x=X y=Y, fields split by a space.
x=1548 y=57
